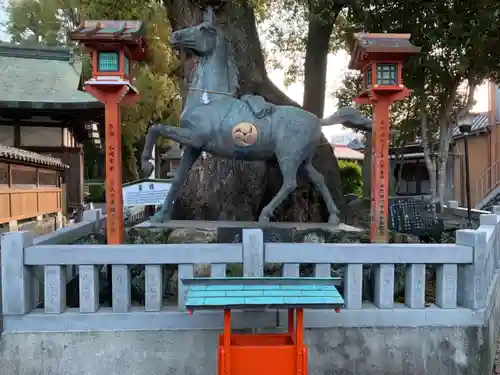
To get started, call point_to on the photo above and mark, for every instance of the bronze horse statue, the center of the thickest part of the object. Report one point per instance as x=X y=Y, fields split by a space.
x=215 y=120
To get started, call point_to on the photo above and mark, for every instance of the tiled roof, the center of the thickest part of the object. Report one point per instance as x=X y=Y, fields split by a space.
x=356 y=144
x=398 y=44
x=114 y=29
x=345 y=153
x=479 y=123
x=14 y=153
x=41 y=78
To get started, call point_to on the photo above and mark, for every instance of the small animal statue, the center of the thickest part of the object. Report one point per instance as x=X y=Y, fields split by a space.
x=215 y=120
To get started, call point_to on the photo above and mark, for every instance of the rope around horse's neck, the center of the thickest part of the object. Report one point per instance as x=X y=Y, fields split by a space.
x=211 y=92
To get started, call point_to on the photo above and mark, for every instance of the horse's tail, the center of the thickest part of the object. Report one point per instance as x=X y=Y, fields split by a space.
x=349 y=117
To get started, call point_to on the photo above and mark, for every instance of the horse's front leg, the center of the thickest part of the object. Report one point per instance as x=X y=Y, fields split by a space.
x=184 y=136
x=189 y=157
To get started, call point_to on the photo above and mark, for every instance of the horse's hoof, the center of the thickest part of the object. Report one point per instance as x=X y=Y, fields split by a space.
x=147 y=168
x=160 y=217
x=333 y=220
x=264 y=219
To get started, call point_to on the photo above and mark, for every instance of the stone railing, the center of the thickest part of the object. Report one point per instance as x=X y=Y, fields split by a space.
x=461 y=213
x=92 y=221
x=465 y=274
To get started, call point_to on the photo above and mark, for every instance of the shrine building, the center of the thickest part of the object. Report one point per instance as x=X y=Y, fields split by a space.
x=42 y=109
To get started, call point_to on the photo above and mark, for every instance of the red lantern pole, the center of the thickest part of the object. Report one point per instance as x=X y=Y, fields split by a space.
x=380 y=171
x=113 y=141
x=380 y=57
x=113 y=45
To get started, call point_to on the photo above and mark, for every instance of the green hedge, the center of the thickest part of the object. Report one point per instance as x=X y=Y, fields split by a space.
x=97 y=193
x=352 y=177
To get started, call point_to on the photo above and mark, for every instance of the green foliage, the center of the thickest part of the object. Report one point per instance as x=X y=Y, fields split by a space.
x=351 y=87
x=155 y=78
x=403 y=114
x=352 y=177
x=459 y=51
x=458 y=41
x=48 y=21
x=97 y=193
x=91 y=155
x=33 y=22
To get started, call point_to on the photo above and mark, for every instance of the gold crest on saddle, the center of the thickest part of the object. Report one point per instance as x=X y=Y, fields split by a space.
x=245 y=134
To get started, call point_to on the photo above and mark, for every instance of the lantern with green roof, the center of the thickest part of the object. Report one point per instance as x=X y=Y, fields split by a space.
x=113 y=45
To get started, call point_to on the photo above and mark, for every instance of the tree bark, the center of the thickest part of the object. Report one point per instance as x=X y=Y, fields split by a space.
x=225 y=189
x=446 y=130
x=316 y=60
x=428 y=157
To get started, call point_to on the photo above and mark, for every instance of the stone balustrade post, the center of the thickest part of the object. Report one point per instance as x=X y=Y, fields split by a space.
x=16 y=278
x=253 y=253
x=471 y=291
x=93 y=215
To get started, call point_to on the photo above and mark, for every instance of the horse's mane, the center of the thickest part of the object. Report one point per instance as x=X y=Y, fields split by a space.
x=232 y=68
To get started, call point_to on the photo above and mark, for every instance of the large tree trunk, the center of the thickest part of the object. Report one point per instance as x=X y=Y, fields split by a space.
x=428 y=153
x=316 y=59
x=224 y=189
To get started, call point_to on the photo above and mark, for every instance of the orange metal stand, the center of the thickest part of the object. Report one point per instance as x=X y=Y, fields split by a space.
x=273 y=353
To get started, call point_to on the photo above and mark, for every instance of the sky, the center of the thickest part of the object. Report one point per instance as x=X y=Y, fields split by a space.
x=337 y=66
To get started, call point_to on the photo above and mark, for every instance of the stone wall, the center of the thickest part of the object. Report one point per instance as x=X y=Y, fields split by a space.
x=340 y=351
x=349 y=351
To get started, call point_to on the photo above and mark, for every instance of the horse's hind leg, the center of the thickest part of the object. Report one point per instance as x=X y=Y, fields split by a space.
x=319 y=180
x=288 y=168
x=189 y=156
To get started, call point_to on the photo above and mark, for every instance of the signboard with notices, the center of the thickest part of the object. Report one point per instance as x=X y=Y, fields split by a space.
x=415 y=216
x=145 y=192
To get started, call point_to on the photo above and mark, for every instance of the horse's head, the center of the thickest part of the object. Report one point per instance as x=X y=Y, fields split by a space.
x=216 y=63
x=201 y=39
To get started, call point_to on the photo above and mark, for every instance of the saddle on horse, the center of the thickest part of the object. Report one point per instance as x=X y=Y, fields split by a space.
x=258 y=105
